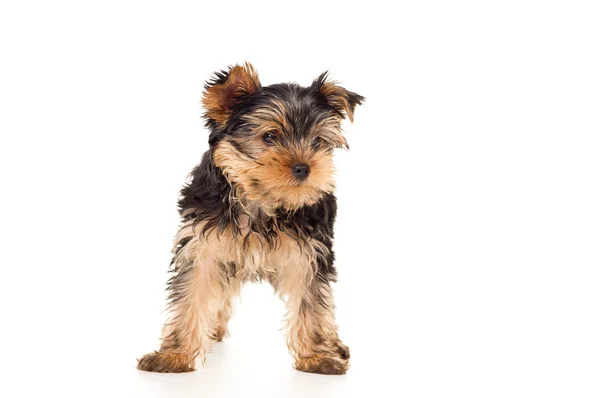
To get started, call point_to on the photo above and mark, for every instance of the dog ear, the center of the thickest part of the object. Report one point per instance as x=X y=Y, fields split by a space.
x=342 y=100
x=225 y=88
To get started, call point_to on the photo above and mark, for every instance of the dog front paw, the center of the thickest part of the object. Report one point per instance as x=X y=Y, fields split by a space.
x=166 y=362
x=323 y=364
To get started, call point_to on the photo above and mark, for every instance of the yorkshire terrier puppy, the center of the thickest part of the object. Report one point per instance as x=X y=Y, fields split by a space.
x=260 y=206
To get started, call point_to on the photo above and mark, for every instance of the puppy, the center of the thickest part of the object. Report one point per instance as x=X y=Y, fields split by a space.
x=260 y=206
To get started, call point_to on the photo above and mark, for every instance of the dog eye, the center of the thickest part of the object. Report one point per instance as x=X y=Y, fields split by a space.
x=317 y=142
x=269 y=138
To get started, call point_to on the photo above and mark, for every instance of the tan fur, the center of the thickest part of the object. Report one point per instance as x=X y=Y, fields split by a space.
x=224 y=314
x=193 y=319
x=312 y=331
x=262 y=235
x=337 y=96
x=267 y=178
x=330 y=131
x=218 y=99
x=200 y=317
x=167 y=362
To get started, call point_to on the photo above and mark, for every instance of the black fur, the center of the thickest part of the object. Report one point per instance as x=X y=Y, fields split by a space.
x=207 y=197
x=306 y=106
x=305 y=123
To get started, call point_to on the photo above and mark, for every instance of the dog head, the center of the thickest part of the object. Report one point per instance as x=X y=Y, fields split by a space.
x=275 y=144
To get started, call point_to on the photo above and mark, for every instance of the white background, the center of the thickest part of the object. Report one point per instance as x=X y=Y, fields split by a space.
x=469 y=220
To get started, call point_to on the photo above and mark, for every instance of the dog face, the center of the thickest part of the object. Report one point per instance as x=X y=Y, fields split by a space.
x=275 y=144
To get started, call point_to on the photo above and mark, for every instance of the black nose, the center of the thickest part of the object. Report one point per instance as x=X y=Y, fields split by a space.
x=301 y=171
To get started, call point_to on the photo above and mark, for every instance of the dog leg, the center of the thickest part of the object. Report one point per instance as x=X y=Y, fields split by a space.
x=312 y=331
x=224 y=314
x=195 y=297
